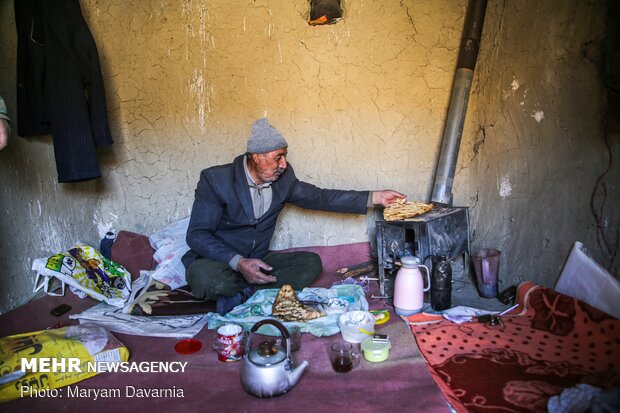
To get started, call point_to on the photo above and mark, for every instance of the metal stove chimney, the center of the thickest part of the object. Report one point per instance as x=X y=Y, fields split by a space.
x=466 y=62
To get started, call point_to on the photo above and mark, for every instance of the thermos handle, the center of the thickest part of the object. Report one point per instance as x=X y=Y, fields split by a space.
x=428 y=277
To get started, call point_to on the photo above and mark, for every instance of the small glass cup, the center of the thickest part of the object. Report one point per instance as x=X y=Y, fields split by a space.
x=295 y=333
x=342 y=357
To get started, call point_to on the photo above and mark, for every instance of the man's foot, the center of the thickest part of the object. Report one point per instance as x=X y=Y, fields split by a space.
x=224 y=304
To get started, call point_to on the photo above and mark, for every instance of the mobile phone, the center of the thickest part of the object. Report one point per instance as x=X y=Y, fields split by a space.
x=60 y=310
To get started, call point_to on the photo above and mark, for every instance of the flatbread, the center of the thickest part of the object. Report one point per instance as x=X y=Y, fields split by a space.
x=401 y=210
x=287 y=307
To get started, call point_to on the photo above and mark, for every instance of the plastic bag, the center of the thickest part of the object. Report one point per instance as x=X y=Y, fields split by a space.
x=87 y=272
x=87 y=342
x=175 y=232
x=169 y=243
x=585 y=279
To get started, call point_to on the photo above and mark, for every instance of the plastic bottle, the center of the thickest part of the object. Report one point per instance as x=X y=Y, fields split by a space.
x=441 y=284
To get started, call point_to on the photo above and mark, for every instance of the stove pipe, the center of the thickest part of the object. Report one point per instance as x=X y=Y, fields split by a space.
x=470 y=43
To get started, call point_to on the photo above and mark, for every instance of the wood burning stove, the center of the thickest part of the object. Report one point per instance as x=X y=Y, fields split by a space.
x=440 y=232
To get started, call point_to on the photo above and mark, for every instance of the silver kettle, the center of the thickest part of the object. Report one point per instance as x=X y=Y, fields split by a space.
x=267 y=370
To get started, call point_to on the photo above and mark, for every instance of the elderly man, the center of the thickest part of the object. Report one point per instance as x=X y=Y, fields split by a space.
x=234 y=216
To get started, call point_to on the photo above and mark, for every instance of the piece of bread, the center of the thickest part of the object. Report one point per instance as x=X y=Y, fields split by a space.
x=287 y=307
x=400 y=210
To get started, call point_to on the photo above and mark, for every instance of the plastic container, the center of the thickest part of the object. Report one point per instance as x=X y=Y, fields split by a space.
x=356 y=326
x=375 y=351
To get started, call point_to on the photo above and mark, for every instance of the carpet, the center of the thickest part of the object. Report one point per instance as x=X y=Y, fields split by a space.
x=402 y=383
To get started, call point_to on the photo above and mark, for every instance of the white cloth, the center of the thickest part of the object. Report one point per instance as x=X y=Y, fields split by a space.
x=462 y=314
x=259 y=306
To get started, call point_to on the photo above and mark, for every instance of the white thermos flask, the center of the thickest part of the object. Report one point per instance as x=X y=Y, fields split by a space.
x=409 y=286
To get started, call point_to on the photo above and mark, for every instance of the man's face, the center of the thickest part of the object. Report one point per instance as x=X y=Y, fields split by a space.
x=267 y=167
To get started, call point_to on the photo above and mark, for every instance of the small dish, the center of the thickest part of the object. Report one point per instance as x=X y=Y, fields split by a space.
x=188 y=346
x=381 y=316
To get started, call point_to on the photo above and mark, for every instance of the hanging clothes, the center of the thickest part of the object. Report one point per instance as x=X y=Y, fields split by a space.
x=59 y=85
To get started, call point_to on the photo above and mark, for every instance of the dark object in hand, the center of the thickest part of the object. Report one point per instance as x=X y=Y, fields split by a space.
x=60 y=310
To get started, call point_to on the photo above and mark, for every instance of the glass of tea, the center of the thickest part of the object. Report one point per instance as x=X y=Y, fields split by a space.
x=342 y=357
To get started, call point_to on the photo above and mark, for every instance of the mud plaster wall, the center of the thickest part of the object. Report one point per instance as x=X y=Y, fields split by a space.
x=362 y=104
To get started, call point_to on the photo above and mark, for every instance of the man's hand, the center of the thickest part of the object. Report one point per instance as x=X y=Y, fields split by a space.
x=386 y=197
x=250 y=269
x=5 y=130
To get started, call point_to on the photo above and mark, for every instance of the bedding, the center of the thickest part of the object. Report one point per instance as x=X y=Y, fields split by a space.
x=550 y=342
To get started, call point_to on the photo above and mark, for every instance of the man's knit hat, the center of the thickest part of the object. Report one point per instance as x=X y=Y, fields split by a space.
x=265 y=138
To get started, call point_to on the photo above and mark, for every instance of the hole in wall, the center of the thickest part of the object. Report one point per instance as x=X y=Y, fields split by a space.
x=325 y=12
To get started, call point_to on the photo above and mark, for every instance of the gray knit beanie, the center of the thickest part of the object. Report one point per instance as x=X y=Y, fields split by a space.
x=265 y=138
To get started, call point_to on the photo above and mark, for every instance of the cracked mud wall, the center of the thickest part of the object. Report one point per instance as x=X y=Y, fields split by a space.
x=535 y=146
x=362 y=104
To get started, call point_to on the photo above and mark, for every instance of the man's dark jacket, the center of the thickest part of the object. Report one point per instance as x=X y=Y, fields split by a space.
x=222 y=223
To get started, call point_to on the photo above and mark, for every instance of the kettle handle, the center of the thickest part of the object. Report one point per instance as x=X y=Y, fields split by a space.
x=285 y=334
x=428 y=277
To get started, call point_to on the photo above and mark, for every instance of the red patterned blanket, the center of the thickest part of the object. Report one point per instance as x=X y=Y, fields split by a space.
x=549 y=343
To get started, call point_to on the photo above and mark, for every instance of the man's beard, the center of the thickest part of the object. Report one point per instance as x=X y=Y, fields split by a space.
x=276 y=175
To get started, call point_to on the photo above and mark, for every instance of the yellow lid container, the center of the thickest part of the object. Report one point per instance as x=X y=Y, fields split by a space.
x=376 y=351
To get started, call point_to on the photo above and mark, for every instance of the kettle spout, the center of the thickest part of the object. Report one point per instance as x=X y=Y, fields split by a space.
x=296 y=373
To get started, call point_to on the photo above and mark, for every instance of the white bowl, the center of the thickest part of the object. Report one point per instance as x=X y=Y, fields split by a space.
x=356 y=326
